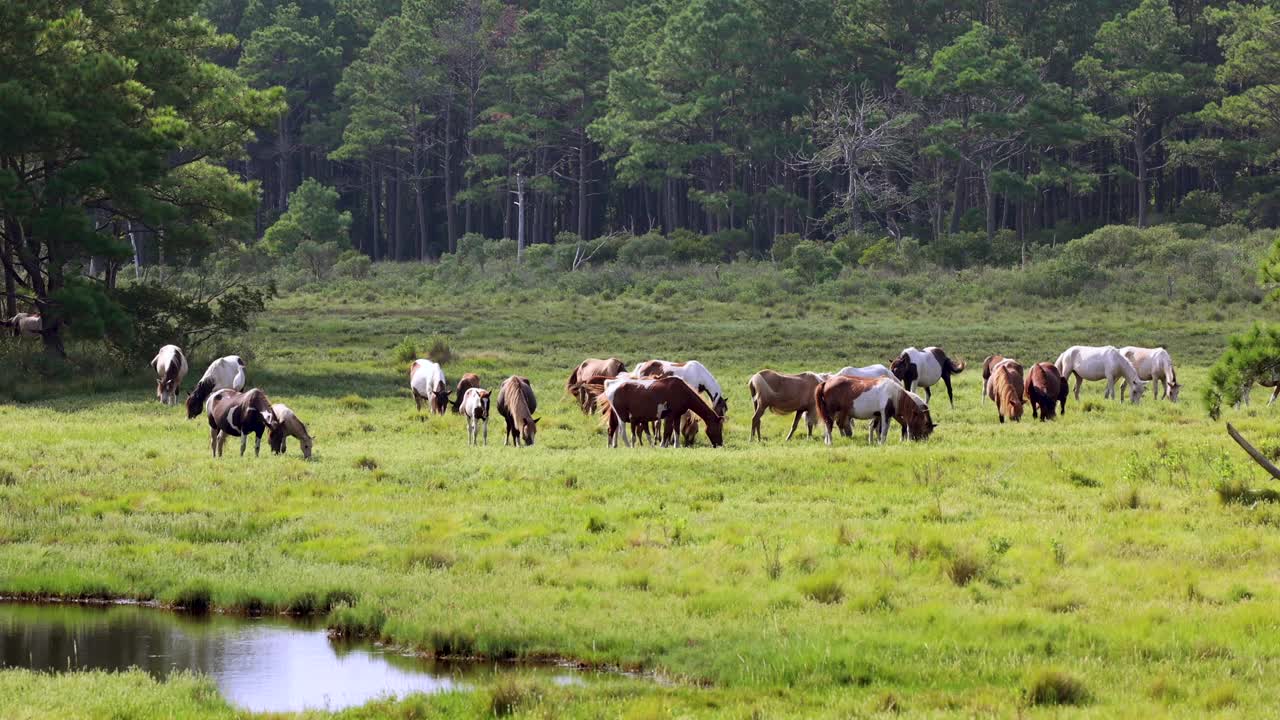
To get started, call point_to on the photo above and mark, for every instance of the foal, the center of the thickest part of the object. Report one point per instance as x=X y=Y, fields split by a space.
x=288 y=424
x=475 y=407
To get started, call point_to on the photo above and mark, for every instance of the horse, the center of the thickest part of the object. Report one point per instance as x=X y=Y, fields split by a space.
x=667 y=399
x=1004 y=387
x=692 y=372
x=842 y=399
x=516 y=405
x=689 y=426
x=608 y=388
x=868 y=371
x=171 y=367
x=589 y=368
x=238 y=414
x=475 y=407
x=223 y=373
x=1100 y=363
x=24 y=325
x=427 y=381
x=1044 y=387
x=989 y=362
x=924 y=368
x=783 y=394
x=465 y=383
x=1154 y=365
x=288 y=425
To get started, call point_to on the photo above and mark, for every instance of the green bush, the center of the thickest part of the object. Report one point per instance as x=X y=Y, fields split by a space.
x=313 y=216
x=1054 y=687
x=1202 y=207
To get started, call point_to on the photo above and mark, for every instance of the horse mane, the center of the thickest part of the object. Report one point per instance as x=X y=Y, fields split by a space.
x=1002 y=387
x=517 y=397
x=698 y=406
x=200 y=393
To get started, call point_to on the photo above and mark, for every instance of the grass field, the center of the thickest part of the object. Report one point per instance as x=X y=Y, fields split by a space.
x=992 y=570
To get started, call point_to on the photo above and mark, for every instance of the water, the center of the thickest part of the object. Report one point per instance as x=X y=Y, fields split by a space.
x=262 y=665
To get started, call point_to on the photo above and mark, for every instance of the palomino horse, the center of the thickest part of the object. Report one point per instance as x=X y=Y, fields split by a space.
x=238 y=414
x=589 y=368
x=1100 y=363
x=924 y=368
x=868 y=371
x=223 y=373
x=842 y=399
x=666 y=399
x=427 y=381
x=465 y=383
x=1044 y=387
x=288 y=425
x=692 y=372
x=1155 y=366
x=783 y=394
x=516 y=405
x=171 y=367
x=475 y=408
x=23 y=325
x=1004 y=387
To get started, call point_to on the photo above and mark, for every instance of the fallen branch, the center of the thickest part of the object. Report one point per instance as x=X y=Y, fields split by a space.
x=1257 y=456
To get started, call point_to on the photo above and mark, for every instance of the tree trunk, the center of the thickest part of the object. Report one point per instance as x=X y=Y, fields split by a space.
x=583 y=231
x=282 y=161
x=10 y=282
x=1140 y=153
x=520 y=221
x=957 y=207
x=991 y=205
x=450 y=214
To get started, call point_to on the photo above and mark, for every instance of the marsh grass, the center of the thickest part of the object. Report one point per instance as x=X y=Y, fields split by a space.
x=1049 y=686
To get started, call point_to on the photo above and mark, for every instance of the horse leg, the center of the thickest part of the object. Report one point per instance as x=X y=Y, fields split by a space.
x=1274 y=394
x=826 y=438
x=928 y=394
x=257 y=444
x=755 y=424
x=213 y=441
x=946 y=379
x=1079 y=382
x=795 y=424
x=486 y=432
x=810 y=421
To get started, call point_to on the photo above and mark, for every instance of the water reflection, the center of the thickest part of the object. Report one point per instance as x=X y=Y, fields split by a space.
x=263 y=665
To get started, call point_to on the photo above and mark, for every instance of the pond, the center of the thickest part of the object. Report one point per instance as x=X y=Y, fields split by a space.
x=260 y=664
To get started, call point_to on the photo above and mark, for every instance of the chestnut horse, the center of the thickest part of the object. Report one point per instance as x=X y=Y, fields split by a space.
x=666 y=399
x=990 y=362
x=1044 y=389
x=783 y=394
x=590 y=368
x=516 y=405
x=238 y=414
x=924 y=368
x=465 y=383
x=1004 y=387
x=842 y=399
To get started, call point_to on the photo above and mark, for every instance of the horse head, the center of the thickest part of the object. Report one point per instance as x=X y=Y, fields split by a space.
x=905 y=370
x=715 y=430
x=529 y=430
x=1173 y=391
x=440 y=399
x=1137 y=387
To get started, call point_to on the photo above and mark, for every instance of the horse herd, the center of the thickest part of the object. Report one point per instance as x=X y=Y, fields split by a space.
x=663 y=401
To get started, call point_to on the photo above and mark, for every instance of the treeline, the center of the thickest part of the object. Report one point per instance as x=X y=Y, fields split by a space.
x=749 y=119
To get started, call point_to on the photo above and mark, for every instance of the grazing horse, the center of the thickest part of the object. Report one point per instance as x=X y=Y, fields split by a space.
x=924 y=368
x=783 y=394
x=238 y=414
x=516 y=405
x=1004 y=387
x=23 y=325
x=1154 y=365
x=1100 y=363
x=465 y=383
x=689 y=426
x=692 y=372
x=223 y=373
x=171 y=367
x=667 y=399
x=842 y=399
x=868 y=371
x=475 y=407
x=1044 y=387
x=589 y=368
x=288 y=425
x=989 y=362
x=427 y=381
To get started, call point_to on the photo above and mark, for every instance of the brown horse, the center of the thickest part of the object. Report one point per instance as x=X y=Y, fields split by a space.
x=1004 y=387
x=516 y=405
x=666 y=399
x=587 y=369
x=288 y=425
x=842 y=399
x=990 y=362
x=238 y=414
x=465 y=383
x=784 y=394
x=1044 y=387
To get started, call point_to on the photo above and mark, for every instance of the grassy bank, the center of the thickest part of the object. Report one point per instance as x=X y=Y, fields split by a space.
x=987 y=570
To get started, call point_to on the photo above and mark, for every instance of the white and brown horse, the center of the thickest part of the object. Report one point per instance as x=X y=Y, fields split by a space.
x=578 y=380
x=1155 y=366
x=288 y=425
x=465 y=383
x=428 y=383
x=692 y=372
x=23 y=325
x=1044 y=388
x=842 y=399
x=516 y=405
x=238 y=414
x=924 y=368
x=1005 y=387
x=867 y=371
x=171 y=367
x=1100 y=363
x=784 y=394
x=223 y=373
x=475 y=407
x=667 y=399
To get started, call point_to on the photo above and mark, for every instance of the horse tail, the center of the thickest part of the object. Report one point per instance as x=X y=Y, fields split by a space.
x=573 y=380
x=819 y=399
x=955 y=367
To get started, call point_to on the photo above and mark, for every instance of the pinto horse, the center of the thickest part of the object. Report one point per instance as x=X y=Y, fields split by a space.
x=171 y=367
x=1156 y=366
x=1044 y=387
x=784 y=394
x=924 y=368
x=238 y=414
x=692 y=372
x=23 y=325
x=667 y=399
x=427 y=381
x=868 y=371
x=516 y=405
x=465 y=383
x=587 y=369
x=1004 y=387
x=475 y=407
x=288 y=425
x=842 y=399
x=1100 y=363
x=223 y=373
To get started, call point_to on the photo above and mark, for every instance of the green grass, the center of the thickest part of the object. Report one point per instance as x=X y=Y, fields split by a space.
x=780 y=579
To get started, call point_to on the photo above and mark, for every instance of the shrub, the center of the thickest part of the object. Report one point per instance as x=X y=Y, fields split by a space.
x=354 y=265
x=405 y=352
x=1054 y=687
x=962 y=567
x=313 y=216
x=688 y=246
x=826 y=590
x=509 y=694
x=649 y=248
x=783 y=245
x=1221 y=697
x=195 y=597
x=354 y=402
x=439 y=350
x=1202 y=207
x=364 y=462
x=811 y=262
x=1235 y=491
x=317 y=259
x=471 y=249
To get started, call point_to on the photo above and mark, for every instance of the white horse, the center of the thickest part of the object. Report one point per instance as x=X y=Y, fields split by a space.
x=475 y=407
x=171 y=367
x=1100 y=363
x=1154 y=365
x=428 y=382
x=23 y=324
x=916 y=369
x=692 y=372
x=868 y=371
x=224 y=373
